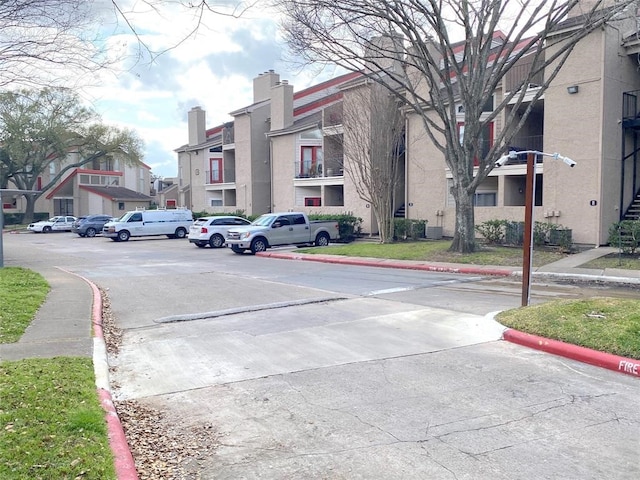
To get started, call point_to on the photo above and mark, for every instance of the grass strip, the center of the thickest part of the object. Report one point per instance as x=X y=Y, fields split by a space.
x=52 y=424
x=606 y=324
x=22 y=292
x=438 y=251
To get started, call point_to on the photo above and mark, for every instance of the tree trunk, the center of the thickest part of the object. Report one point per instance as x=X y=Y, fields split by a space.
x=464 y=239
x=30 y=207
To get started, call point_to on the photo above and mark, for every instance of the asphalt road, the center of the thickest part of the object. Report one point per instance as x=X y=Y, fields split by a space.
x=318 y=371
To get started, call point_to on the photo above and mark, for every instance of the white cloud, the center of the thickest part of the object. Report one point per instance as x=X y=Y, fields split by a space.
x=214 y=69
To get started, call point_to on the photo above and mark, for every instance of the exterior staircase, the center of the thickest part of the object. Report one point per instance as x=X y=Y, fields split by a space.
x=633 y=212
x=399 y=213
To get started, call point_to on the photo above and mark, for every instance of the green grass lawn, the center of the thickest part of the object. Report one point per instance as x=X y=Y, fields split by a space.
x=609 y=325
x=53 y=426
x=51 y=423
x=625 y=262
x=437 y=251
x=21 y=294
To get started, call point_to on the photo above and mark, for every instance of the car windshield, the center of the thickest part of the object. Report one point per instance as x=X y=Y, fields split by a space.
x=201 y=221
x=263 y=220
x=125 y=217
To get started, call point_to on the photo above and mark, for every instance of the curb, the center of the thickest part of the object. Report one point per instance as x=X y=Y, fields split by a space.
x=385 y=263
x=609 y=361
x=122 y=457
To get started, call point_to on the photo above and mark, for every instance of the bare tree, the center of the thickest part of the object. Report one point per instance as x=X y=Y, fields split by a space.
x=417 y=42
x=38 y=128
x=51 y=43
x=373 y=149
x=47 y=42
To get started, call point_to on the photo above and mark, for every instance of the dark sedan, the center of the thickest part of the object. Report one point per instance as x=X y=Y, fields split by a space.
x=90 y=225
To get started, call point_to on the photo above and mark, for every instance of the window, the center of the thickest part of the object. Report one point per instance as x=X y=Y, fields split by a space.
x=315 y=134
x=486 y=140
x=171 y=204
x=312 y=202
x=136 y=217
x=216 y=170
x=311 y=161
x=120 y=205
x=297 y=219
x=215 y=202
x=484 y=199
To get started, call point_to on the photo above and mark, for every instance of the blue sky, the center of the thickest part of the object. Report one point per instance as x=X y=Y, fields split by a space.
x=213 y=69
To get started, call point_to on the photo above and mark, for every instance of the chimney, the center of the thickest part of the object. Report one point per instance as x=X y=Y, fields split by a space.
x=262 y=85
x=197 y=127
x=281 y=106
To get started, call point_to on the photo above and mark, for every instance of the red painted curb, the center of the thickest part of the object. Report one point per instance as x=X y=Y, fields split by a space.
x=383 y=263
x=616 y=363
x=122 y=458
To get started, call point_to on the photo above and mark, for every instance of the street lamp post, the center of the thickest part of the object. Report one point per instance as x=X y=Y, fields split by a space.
x=529 y=202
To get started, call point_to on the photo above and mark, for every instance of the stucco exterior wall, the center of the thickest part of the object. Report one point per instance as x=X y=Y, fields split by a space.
x=283 y=150
x=242 y=126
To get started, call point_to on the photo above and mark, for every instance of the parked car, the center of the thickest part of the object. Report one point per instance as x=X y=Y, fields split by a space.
x=90 y=225
x=285 y=228
x=212 y=231
x=59 y=223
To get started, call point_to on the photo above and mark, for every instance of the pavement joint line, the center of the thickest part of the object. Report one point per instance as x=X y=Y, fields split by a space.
x=247 y=309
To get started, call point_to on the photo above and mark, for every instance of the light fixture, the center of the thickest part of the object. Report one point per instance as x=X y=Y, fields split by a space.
x=571 y=89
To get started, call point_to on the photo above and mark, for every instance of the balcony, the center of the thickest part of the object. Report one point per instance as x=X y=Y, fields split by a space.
x=518 y=73
x=322 y=169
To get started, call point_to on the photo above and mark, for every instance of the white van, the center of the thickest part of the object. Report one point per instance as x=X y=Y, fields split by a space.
x=141 y=223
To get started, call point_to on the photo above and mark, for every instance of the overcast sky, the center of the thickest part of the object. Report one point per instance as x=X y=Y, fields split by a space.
x=213 y=69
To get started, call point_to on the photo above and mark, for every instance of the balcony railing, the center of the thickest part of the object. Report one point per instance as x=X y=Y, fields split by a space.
x=228 y=135
x=518 y=73
x=319 y=170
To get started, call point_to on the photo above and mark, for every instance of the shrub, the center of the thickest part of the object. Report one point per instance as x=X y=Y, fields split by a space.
x=625 y=235
x=408 y=228
x=349 y=226
x=492 y=231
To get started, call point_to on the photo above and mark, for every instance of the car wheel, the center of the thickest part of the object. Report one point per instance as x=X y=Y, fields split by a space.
x=46 y=229
x=81 y=234
x=91 y=232
x=322 y=239
x=123 y=235
x=237 y=250
x=180 y=233
x=216 y=240
x=258 y=245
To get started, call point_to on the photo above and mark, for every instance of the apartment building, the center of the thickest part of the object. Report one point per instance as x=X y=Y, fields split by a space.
x=106 y=186
x=286 y=151
x=587 y=114
x=270 y=157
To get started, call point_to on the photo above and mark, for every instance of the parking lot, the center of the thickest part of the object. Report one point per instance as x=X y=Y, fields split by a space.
x=310 y=370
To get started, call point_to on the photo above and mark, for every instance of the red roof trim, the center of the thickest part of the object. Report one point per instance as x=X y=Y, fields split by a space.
x=61 y=184
x=212 y=131
x=317 y=104
x=324 y=85
x=98 y=172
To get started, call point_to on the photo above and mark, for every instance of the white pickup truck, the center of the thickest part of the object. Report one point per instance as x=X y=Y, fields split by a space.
x=286 y=228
